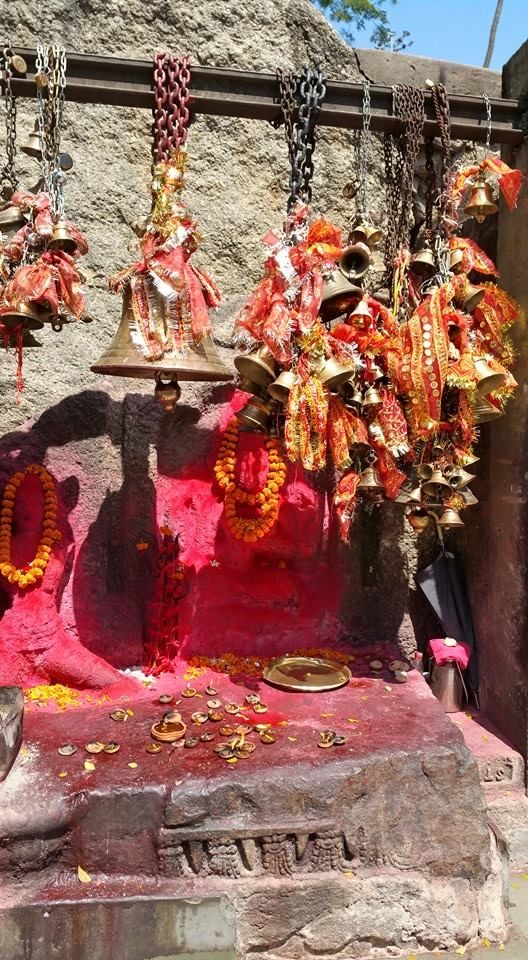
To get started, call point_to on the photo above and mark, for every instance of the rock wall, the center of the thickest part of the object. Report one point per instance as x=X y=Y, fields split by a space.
x=105 y=440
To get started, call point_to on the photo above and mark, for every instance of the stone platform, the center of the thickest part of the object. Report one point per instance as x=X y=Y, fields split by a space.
x=376 y=848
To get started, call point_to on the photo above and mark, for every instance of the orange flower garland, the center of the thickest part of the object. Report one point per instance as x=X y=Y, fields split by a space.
x=266 y=501
x=33 y=571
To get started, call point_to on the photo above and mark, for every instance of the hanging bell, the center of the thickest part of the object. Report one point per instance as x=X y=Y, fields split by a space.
x=167 y=393
x=29 y=316
x=460 y=478
x=455 y=260
x=469 y=497
x=355 y=261
x=370 y=482
x=374 y=235
x=280 y=388
x=472 y=297
x=488 y=379
x=32 y=147
x=338 y=296
x=248 y=386
x=258 y=366
x=11 y=218
x=450 y=519
x=333 y=373
x=423 y=263
x=480 y=202
x=359 y=234
x=484 y=411
x=416 y=495
x=123 y=359
x=361 y=315
x=424 y=471
x=372 y=401
x=353 y=399
x=436 y=483
x=61 y=238
x=256 y=415
x=376 y=372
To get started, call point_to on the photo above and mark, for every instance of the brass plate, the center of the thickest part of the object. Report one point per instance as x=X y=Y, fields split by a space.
x=310 y=674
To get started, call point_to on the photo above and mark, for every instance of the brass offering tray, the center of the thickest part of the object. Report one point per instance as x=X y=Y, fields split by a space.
x=309 y=674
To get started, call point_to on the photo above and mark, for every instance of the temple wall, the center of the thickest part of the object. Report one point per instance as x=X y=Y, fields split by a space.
x=119 y=460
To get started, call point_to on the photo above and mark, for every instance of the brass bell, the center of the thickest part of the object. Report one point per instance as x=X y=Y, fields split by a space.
x=28 y=316
x=374 y=235
x=32 y=146
x=469 y=498
x=354 y=400
x=423 y=263
x=61 y=238
x=123 y=359
x=487 y=379
x=416 y=495
x=455 y=260
x=436 y=481
x=361 y=315
x=480 y=203
x=258 y=366
x=248 y=386
x=484 y=411
x=372 y=401
x=359 y=234
x=11 y=218
x=338 y=295
x=280 y=388
x=468 y=459
x=424 y=471
x=472 y=297
x=450 y=519
x=256 y=415
x=376 y=372
x=333 y=373
x=370 y=482
x=167 y=393
x=355 y=261
x=461 y=478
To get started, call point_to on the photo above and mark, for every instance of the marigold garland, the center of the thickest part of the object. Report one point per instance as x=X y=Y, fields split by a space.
x=29 y=574
x=266 y=501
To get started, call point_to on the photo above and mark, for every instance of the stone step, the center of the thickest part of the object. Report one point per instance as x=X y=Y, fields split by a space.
x=508 y=818
x=500 y=765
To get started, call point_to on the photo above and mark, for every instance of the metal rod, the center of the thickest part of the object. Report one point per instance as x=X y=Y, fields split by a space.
x=113 y=81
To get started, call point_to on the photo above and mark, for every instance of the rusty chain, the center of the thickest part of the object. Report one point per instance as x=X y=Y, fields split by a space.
x=171 y=80
x=50 y=75
x=8 y=177
x=443 y=119
x=400 y=155
x=301 y=100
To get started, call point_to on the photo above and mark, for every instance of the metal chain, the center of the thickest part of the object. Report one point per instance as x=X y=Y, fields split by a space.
x=363 y=152
x=301 y=101
x=430 y=186
x=50 y=73
x=487 y=103
x=443 y=119
x=170 y=127
x=400 y=155
x=9 y=180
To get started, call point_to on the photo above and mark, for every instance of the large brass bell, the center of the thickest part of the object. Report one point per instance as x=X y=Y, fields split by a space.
x=338 y=295
x=256 y=415
x=259 y=366
x=372 y=401
x=123 y=359
x=488 y=379
x=32 y=147
x=480 y=202
x=167 y=393
x=370 y=482
x=484 y=411
x=355 y=261
x=61 y=238
x=423 y=263
x=472 y=297
x=361 y=315
x=455 y=260
x=333 y=373
x=248 y=386
x=280 y=388
x=450 y=519
x=30 y=317
x=436 y=483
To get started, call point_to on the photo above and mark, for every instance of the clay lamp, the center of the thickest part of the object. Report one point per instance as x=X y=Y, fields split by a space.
x=170 y=728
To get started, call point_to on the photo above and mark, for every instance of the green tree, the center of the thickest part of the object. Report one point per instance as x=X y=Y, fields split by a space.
x=349 y=16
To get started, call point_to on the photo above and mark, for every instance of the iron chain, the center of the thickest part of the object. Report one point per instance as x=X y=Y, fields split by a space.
x=364 y=135
x=300 y=107
x=443 y=119
x=50 y=74
x=9 y=181
x=400 y=155
x=171 y=80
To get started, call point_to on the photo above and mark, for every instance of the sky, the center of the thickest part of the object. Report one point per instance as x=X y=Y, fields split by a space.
x=457 y=29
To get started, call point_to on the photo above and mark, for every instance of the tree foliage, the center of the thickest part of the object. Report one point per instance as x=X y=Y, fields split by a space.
x=350 y=16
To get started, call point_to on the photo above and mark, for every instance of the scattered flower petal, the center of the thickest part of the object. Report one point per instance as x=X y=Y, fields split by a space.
x=84 y=877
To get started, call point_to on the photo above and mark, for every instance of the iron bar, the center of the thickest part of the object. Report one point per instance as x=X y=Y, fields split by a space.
x=113 y=81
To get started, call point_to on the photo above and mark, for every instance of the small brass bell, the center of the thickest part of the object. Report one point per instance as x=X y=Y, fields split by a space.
x=468 y=459
x=338 y=295
x=372 y=401
x=416 y=495
x=370 y=482
x=450 y=519
x=248 y=386
x=469 y=497
x=376 y=372
x=61 y=238
x=423 y=263
x=374 y=235
x=472 y=297
x=259 y=366
x=28 y=316
x=487 y=379
x=333 y=373
x=424 y=471
x=32 y=146
x=167 y=393
x=355 y=261
x=480 y=203
x=461 y=478
x=359 y=234
x=11 y=218
x=361 y=316
x=436 y=483
x=455 y=260
x=256 y=415
x=484 y=411
x=280 y=388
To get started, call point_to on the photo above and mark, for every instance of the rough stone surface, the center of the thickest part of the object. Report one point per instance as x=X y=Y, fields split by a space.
x=508 y=816
x=11 y=717
x=104 y=439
